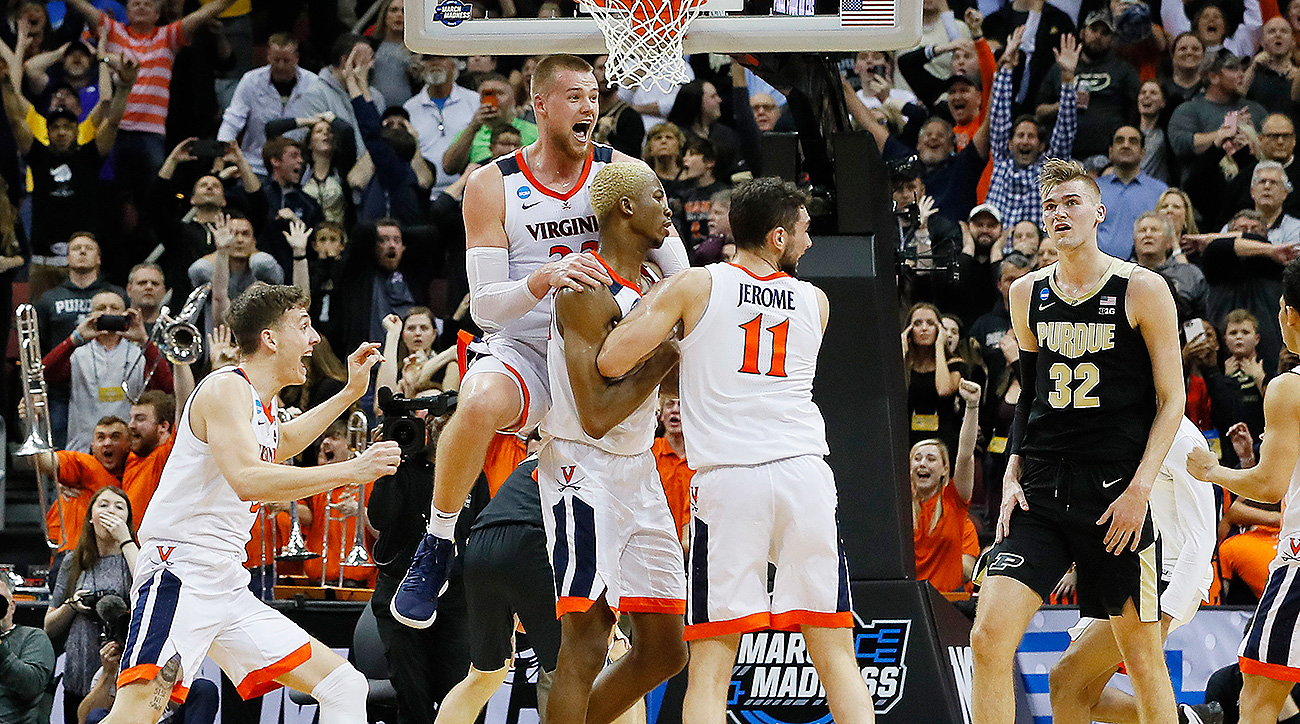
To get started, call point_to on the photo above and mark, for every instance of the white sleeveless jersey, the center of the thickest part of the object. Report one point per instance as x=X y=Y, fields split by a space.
x=194 y=504
x=747 y=371
x=1288 y=537
x=543 y=225
x=632 y=436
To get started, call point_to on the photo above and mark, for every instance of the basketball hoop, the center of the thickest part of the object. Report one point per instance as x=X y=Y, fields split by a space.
x=644 y=39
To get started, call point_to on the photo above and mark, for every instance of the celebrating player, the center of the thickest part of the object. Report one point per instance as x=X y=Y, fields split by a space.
x=529 y=229
x=608 y=524
x=763 y=493
x=1269 y=659
x=190 y=591
x=1183 y=510
x=1102 y=397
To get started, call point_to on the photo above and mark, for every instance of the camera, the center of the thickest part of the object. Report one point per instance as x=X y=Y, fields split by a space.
x=208 y=148
x=909 y=214
x=111 y=613
x=112 y=322
x=402 y=426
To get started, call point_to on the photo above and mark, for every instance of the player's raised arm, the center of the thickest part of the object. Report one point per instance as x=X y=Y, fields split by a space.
x=301 y=431
x=218 y=417
x=603 y=402
x=680 y=299
x=1267 y=482
x=495 y=299
x=1152 y=312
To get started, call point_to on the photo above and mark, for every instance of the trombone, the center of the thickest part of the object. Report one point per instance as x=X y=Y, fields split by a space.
x=358 y=439
x=178 y=338
x=36 y=413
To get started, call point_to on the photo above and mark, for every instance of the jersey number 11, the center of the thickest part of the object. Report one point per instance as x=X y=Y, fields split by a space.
x=753 y=331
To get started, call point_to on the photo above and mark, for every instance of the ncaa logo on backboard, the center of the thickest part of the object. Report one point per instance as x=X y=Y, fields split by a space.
x=774 y=681
x=451 y=12
x=524 y=192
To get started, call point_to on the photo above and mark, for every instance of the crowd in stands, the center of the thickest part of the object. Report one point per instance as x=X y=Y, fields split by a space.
x=158 y=146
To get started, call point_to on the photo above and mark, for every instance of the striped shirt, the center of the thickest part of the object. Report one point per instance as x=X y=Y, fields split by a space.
x=146 y=107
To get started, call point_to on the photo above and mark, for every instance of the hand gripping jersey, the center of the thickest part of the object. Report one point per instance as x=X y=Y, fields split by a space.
x=632 y=436
x=194 y=503
x=542 y=226
x=747 y=371
x=1096 y=396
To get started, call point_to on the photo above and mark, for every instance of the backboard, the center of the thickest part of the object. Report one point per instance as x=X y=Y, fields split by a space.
x=444 y=27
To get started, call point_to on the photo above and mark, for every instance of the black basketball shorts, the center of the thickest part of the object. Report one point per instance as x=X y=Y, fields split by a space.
x=507 y=572
x=1066 y=499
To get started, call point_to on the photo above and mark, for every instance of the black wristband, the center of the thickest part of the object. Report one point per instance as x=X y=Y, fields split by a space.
x=300 y=258
x=122 y=545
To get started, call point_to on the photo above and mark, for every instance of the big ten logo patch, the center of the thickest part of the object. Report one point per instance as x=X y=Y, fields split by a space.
x=774 y=681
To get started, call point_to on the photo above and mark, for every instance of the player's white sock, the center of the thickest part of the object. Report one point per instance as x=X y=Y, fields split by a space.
x=442 y=523
x=342 y=696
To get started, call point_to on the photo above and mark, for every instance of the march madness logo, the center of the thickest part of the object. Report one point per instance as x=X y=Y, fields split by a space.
x=774 y=681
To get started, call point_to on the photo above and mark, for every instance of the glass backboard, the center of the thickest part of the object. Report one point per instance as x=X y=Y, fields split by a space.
x=446 y=27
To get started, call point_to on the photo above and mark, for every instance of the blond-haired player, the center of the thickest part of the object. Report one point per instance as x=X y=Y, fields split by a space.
x=610 y=531
x=529 y=229
x=763 y=493
x=1269 y=656
x=190 y=593
x=1101 y=402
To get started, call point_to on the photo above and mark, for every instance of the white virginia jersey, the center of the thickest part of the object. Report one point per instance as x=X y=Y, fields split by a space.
x=1182 y=509
x=543 y=225
x=747 y=371
x=194 y=503
x=1288 y=537
x=635 y=434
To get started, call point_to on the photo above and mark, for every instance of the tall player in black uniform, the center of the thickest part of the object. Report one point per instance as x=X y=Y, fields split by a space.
x=1101 y=402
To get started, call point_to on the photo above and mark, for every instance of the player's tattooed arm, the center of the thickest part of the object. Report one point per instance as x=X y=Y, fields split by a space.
x=1267 y=482
x=585 y=319
x=681 y=298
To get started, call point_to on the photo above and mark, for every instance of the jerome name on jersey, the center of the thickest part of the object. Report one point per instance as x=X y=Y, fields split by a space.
x=766 y=296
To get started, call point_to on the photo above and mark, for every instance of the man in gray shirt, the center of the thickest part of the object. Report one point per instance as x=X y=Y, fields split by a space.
x=326 y=91
x=1198 y=125
x=26 y=664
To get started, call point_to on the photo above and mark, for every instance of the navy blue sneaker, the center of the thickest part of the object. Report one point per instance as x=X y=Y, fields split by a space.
x=416 y=601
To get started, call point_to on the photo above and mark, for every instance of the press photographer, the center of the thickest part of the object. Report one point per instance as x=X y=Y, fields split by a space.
x=436 y=658
x=26 y=664
x=81 y=606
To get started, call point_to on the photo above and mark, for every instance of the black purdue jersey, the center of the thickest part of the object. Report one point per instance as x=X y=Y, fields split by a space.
x=1095 y=397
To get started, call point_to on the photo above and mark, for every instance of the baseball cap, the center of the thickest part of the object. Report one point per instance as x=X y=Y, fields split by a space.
x=1099 y=16
x=958 y=79
x=989 y=209
x=1220 y=59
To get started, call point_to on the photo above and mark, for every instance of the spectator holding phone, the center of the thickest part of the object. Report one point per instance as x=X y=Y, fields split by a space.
x=103 y=363
x=496 y=106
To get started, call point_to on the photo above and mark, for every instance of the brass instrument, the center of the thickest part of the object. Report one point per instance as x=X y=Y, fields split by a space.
x=295 y=549
x=36 y=412
x=358 y=439
x=178 y=338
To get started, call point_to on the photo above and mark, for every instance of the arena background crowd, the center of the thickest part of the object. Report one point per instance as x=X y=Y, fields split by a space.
x=159 y=145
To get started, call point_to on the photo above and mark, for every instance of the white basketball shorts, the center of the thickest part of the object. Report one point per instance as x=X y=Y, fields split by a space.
x=609 y=529
x=195 y=602
x=519 y=362
x=747 y=516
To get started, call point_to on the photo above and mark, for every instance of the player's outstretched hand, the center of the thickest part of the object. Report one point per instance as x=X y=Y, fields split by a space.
x=360 y=363
x=380 y=459
x=1126 y=516
x=1200 y=462
x=575 y=271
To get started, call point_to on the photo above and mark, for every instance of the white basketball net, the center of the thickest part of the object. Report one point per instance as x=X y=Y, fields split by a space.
x=644 y=39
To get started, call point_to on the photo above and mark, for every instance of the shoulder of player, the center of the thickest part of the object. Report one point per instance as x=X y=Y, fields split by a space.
x=1285 y=385
x=1147 y=288
x=487 y=176
x=217 y=391
x=689 y=281
x=584 y=310
x=1022 y=287
x=620 y=157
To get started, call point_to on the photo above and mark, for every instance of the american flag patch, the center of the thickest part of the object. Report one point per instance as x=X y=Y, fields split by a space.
x=1108 y=301
x=868 y=13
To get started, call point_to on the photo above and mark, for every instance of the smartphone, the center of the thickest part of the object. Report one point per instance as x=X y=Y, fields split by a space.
x=490 y=98
x=1193 y=329
x=112 y=323
x=206 y=147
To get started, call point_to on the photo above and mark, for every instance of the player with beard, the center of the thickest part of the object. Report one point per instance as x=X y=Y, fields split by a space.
x=763 y=494
x=529 y=228
x=190 y=593
x=1102 y=398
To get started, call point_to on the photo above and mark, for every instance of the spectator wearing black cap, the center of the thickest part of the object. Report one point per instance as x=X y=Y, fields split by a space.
x=64 y=171
x=968 y=85
x=951 y=176
x=74 y=68
x=1199 y=124
x=1107 y=88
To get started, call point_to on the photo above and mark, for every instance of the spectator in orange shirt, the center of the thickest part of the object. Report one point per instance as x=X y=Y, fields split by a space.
x=78 y=477
x=941 y=491
x=670 y=457
x=151 y=426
